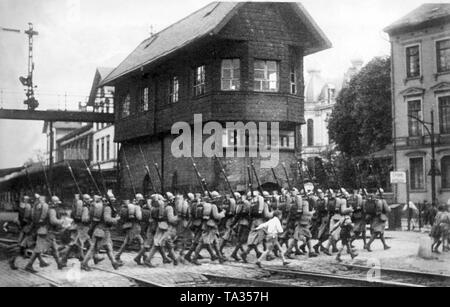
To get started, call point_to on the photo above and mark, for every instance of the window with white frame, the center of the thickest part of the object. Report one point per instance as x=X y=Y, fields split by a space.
x=231 y=75
x=200 y=80
x=414 y=115
x=444 y=114
x=413 y=61
x=443 y=55
x=417 y=177
x=174 y=87
x=265 y=76
x=144 y=99
x=293 y=80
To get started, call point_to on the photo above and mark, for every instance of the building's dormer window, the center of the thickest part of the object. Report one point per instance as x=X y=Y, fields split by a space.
x=413 y=61
x=443 y=55
x=231 y=75
x=174 y=87
x=293 y=79
x=266 y=76
x=126 y=106
x=200 y=81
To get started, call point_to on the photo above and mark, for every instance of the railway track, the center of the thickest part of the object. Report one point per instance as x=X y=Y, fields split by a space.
x=405 y=276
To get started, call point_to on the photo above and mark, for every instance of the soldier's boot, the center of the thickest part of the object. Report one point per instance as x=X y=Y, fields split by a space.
x=338 y=257
x=367 y=246
x=303 y=248
x=29 y=266
x=222 y=258
x=212 y=255
x=151 y=254
x=166 y=259
x=138 y=258
x=172 y=256
x=234 y=254
x=197 y=254
x=97 y=259
x=353 y=254
x=288 y=253
x=12 y=263
x=115 y=264
x=222 y=246
x=326 y=250
x=386 y=247
x=58 y=260
x=258 y=253
x=334 y=247
x=317 y=248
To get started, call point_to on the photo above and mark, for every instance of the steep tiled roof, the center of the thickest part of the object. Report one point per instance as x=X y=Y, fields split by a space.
x=426 y=14
x=207 y=21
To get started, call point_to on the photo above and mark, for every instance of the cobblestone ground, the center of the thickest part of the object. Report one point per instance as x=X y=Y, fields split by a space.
x=403 y=255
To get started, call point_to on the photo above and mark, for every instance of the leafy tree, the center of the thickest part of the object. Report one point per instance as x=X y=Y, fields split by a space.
x=361 y=122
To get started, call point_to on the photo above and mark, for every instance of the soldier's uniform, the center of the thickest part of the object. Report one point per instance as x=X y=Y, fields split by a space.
x=102 y=222
x=148 y=225
x=196 y=222
x=164 y=215
x=26 y=238
x=225 y=227
x=183 y=233
x=322 y=219
x=259 y=213
x=48 y=222
x=378 y=223
x=131 y=216
x=210 y=230
x=79 y=231
x=301 y=220
x=242 y=225
x=356 y=202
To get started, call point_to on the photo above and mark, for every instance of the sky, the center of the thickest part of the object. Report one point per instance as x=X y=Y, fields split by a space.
x=76 y=36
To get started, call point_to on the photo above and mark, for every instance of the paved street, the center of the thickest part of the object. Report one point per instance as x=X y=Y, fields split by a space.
x=403 y=255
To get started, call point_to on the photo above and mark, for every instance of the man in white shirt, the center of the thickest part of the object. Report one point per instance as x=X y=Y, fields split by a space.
x=272 y=229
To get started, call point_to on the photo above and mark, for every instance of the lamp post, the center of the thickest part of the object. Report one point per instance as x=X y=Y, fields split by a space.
x=434 y=171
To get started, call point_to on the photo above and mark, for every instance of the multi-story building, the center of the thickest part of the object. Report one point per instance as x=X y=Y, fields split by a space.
x=421 y=92
x=320 y=99
x=229 y=62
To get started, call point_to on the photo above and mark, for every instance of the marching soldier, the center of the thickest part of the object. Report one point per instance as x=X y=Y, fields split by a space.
x=166 y=220
x=102 y=222
x=184 y=233
x=356 y=202
x=80 y=229
x=300 y=219
x=346 y=226
x=259 y=212
x=241 y=223
x=212 y=215
x=196 y=212
x=47 y=219
x=131 y=216
x=148 y=225
x=378 y=220
x=225 y=229
x=26 y=235
x=322 y=220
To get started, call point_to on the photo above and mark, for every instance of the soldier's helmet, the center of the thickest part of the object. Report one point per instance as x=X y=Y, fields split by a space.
x=26 y=198
x=97 y=198
x=111 y=195
x=139 y=197
x=87 y=198
x=42 y=199
x=294 y=191
x=37 y=196
x=255 y=193
x=55 y=200
x=169 y=196
x=191 y=196
x=237 y=195
x=266 y=194
x=215 y=194
x=380 y=190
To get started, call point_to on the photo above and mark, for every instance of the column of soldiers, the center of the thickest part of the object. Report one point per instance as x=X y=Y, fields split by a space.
x=179 y=227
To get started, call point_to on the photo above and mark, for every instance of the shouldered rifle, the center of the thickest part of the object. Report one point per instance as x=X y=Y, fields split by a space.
x=359 y=176
x=147 y=169
x=47 y=183
x=377 y=177
x=301 y=177
x=222 y=170
x=202 y=180
x=257 y=178
x=127 y=166
x=29 y=180
x=338 y=182
x=74 y=179
x=310 y=175
x=92 y=178
x=287 y=177
x=276 y=179
x=250 y=180
x=325 y=174
x=113 y=209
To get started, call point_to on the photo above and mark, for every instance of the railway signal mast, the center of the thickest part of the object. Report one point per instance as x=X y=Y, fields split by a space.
x=31 y=101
